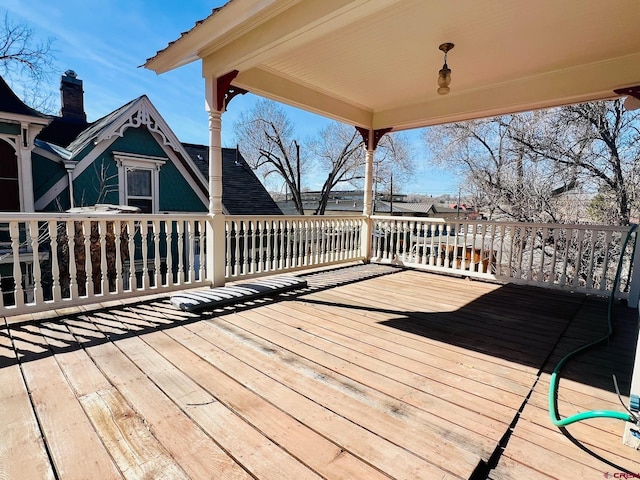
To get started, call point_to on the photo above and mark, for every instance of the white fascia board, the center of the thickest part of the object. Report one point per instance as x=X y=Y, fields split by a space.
x=17 y=118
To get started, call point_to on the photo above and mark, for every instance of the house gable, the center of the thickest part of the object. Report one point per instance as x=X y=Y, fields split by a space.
x=137 y=129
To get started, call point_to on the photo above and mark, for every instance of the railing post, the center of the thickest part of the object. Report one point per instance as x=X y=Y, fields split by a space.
x=369 y=202
x=634 y=287
x=215 y=103
x=216 y=250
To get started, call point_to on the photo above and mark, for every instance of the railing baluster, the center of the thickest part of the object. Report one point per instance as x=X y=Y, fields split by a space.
x=565 y=259
x=605 y=260
x=117 y=232
x=157 y=278
x=228 y=232
x=55 y=267
x=34 y=232
x=180 y=230
x=131 y=232
x=18 y=292
x=578 y=260
x=102 y=232
x=201 y=249
x=168 y=260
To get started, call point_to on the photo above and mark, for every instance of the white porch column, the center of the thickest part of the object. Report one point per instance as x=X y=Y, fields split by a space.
x=367 y=208
x=216 y=226
x=25 y=168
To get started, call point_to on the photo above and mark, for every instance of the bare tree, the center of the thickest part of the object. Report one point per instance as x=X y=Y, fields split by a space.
x=267 y=138
x=338 y=151
x=28 y=60
x=600 y=143
x=505 y=177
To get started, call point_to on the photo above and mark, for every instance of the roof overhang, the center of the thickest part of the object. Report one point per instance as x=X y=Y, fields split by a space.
x=374 y=63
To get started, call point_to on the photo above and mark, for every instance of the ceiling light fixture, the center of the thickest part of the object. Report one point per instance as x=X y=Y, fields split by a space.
x=444 y=75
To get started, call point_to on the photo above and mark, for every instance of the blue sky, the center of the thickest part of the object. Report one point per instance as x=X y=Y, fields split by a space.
x=105 y=42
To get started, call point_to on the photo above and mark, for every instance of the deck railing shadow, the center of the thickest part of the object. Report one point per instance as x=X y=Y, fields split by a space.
x=531 y=327
x=32 y=340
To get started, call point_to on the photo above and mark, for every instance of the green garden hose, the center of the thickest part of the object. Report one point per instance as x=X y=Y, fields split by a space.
x=555 y=376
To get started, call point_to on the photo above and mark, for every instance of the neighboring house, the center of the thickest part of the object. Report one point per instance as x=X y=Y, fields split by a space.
x=128 y=157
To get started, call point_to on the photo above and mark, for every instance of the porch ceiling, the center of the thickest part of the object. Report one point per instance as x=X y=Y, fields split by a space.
x=375 y=63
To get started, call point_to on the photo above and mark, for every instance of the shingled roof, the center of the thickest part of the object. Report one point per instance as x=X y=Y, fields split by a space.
x=242 y=192
x=10 y=103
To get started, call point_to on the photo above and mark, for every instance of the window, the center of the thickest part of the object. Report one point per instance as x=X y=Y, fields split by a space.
x=139 y=190
x=139 y=180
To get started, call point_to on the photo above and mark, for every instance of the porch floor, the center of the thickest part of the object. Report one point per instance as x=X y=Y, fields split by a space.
x=404 y=375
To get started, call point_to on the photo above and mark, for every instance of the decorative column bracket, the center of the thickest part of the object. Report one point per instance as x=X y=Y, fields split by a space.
x=377 y=135
x=225 y=91
x=632 y=91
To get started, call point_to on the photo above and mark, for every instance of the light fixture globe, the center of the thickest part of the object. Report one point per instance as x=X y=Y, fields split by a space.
x=444 y=75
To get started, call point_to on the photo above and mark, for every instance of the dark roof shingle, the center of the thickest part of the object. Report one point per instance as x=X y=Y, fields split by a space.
x=242 y=191
x=10 y=103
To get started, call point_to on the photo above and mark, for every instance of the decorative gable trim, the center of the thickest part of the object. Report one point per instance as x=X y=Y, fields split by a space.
x=141 y=113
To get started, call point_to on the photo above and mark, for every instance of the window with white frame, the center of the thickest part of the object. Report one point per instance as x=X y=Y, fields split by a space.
x=139 y=180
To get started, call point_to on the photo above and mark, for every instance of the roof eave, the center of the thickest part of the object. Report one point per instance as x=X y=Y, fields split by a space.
x=207 y=33
x=35 y=120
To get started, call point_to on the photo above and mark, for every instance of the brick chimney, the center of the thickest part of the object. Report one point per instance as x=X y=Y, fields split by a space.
x=72 y=97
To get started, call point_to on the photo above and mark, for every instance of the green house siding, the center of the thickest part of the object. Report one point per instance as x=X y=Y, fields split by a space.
x=45 y=174
x=175 y=193
x=60 y=203
x=139 y=141
x=9 y=128
x=98 y=183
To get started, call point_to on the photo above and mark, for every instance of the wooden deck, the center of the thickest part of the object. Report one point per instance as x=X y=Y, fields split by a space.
x=406 y=375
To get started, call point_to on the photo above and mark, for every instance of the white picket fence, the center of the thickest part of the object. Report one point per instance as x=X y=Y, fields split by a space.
x=62 y=260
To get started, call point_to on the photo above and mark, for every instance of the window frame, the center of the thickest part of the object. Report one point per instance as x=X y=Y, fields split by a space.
x=127 y=162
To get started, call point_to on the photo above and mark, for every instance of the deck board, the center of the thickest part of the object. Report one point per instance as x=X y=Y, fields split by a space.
x=406 y=375
x=20 y=436
x=539 y=448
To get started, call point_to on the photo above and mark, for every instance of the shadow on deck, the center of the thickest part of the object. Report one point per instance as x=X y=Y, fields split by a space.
x=370 y=372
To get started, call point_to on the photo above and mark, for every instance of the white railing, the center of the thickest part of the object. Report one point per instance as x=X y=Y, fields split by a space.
x=60 y=260
x=257 y=245
x=52 y=261
x=580 y=258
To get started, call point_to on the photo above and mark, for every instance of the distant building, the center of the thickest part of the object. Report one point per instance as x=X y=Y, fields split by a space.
x=350 y=202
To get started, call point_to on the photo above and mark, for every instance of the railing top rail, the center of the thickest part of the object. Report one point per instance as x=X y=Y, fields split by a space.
x=410 y=219
x=577 y=226
x=8 y=217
